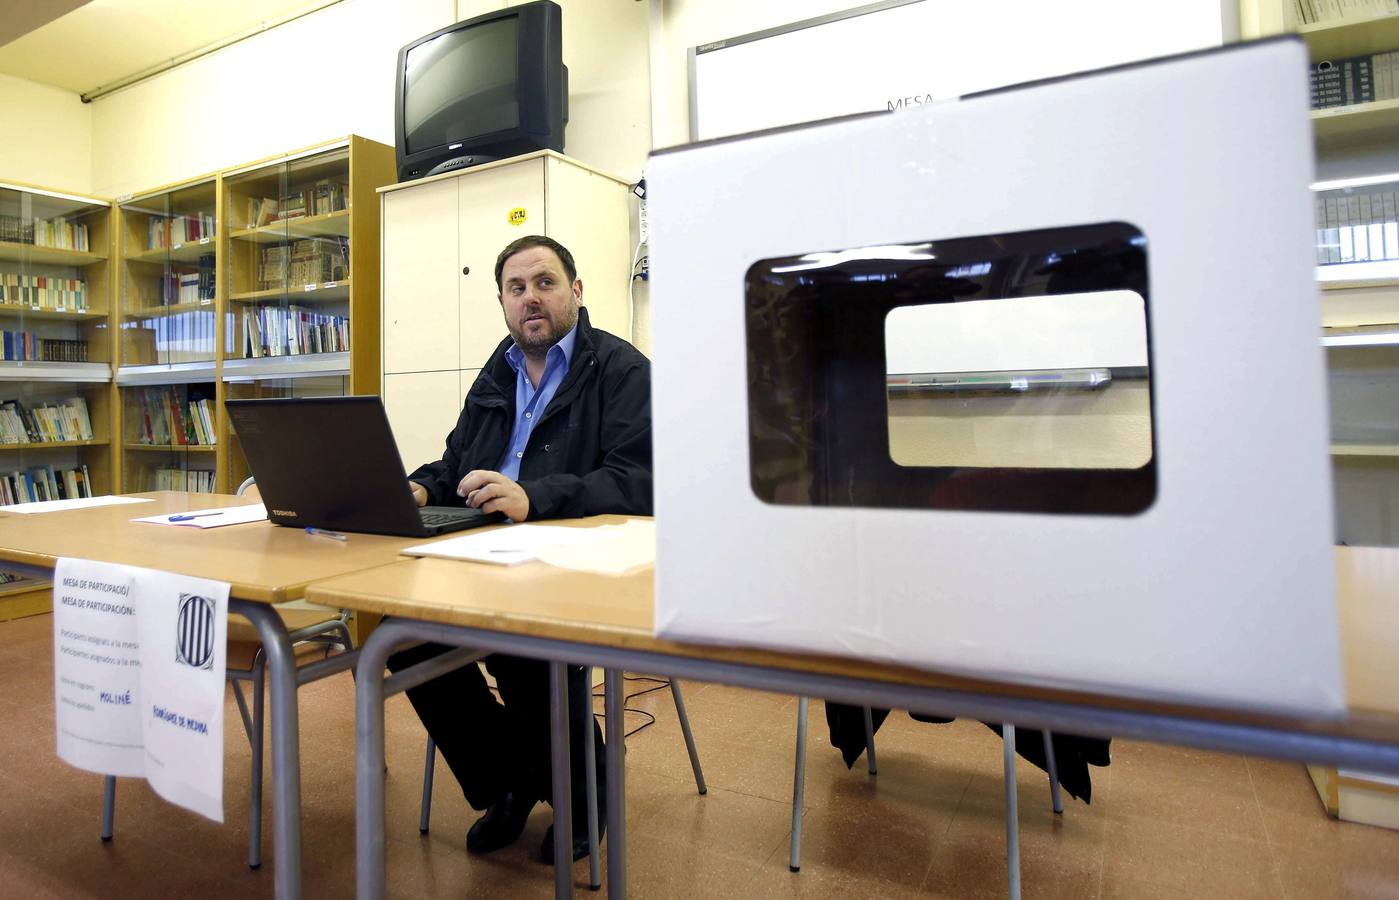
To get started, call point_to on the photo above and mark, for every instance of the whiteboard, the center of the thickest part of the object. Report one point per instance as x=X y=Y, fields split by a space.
x=901 y=53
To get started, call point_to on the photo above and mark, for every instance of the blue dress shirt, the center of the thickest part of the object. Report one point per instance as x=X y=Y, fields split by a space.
x=530 y=402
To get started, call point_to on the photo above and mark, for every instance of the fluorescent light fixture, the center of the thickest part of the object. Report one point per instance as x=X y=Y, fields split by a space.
x=1364 y=181
x=1361 y=339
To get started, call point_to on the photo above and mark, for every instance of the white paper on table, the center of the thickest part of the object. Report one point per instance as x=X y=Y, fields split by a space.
x=212 y=518
x=506 y=546
x=44 y=506
x=619 y=549
x=139 y=665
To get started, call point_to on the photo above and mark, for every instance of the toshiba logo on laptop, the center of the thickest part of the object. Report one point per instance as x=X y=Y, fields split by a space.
x=289 y=513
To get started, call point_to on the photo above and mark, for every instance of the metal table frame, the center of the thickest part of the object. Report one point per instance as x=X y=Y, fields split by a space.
x=1277 y=741
x=283 y=678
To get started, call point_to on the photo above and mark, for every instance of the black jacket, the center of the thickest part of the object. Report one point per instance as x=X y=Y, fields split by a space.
x=590 y=451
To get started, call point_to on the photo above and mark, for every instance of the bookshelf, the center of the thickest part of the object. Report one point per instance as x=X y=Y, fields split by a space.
x=1357 y=258
x=301 y=283
x=243 y=283
x=56 y=344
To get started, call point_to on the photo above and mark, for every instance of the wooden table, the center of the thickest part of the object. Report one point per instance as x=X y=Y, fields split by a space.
x=263 y=564
x=561 y=616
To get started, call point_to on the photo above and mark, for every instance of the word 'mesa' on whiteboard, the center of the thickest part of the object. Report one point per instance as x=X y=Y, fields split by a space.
x=894 y=56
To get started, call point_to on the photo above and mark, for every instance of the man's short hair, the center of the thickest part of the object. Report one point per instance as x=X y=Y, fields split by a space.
x=535 y=240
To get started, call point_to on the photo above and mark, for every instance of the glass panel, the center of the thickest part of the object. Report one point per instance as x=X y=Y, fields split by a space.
x=169 y=438
x=326 y=386
x=53 y=278
x=1364 y=381
x=1055 y=382
x=54 y=441
x=168 y=293
x=994 y=373
x=1357 y=232
x=289 y=288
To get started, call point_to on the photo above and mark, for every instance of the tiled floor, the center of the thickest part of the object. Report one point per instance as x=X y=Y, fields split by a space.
x=1164 y=822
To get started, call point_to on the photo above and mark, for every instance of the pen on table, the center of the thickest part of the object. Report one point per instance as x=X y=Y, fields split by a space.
x=333 y=535
x=185 y=517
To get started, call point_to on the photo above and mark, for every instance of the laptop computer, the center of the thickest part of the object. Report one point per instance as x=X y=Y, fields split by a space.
x=331 y=462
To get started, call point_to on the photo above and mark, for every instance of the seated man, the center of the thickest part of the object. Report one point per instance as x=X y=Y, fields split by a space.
x=558 y=424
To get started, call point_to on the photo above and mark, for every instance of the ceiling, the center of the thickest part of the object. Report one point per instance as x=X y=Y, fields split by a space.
x=80 y=46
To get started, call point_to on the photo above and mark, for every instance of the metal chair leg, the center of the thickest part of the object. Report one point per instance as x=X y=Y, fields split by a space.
x=869 y=741
x=798 y=787
x=1012 y=814
x=1053 y=773
x=255 y=739
x=689 y=736
x=429 y=765
x=109 y=805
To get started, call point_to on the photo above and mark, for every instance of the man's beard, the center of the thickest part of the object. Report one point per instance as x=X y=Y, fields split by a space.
x=543 y=340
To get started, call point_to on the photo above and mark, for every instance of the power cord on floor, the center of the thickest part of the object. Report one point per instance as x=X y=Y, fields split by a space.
x=659 y=684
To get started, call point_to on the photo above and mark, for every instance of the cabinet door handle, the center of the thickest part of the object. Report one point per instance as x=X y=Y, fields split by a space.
x=466 y=270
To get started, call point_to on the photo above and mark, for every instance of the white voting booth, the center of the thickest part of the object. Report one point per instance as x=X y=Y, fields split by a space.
x=1152 y=523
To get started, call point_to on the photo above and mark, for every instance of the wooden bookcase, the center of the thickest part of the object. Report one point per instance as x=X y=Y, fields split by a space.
x=1357 y=149
x=260 y=280
x=56 y=315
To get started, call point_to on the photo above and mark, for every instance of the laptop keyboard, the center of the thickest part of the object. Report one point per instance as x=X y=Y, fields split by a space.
x=449 y=516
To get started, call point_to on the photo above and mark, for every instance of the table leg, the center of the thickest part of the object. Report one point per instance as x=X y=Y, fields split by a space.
x=286 y=755
x=369 y=762
x=616 y=785
x=563 y=787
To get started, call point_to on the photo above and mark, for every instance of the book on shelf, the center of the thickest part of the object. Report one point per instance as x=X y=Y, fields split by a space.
x=40 y=483
x=164 y=232
x=160 y=417
x=303 y=262
x=27 y=346
x=64 y=421
x=1323 y=12
x=1358 y=225
x=318 y=199
x=196 y=480
x=43 y=291
x=59 y=233
x=270 y=330
x=1356 y=79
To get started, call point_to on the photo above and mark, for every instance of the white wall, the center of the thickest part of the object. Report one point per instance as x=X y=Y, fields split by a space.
x=332 y=73
x=48 y=136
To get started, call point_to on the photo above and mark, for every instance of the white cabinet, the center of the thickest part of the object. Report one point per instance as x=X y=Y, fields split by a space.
x=441 y=312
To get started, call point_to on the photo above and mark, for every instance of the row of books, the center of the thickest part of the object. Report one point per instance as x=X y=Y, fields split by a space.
x=1357 y=79
x=309 y=261
x=58 y=232
x=47 y=423
x=159 y=415
x=42 y=291
x=171 y=338
x=163 y=232
x=200 y=480
x=1316 y=12
x=28 y=346
x=45 y=483
x=1357 y=226
x=318 y=199
x=291 y=331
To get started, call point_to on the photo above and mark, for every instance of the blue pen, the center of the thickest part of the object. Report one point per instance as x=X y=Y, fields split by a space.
x=185 y=517
x=333 y=535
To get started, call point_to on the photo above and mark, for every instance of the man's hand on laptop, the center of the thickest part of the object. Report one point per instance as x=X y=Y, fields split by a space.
x=419 y=493
x=493 y=492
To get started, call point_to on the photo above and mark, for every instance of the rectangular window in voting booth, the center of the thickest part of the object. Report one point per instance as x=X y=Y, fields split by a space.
x=1004 y=372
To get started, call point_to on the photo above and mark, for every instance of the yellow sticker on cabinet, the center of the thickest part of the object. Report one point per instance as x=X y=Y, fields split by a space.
x=518 y=216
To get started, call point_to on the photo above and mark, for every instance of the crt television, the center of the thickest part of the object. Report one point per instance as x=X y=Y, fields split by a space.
x=485 y=88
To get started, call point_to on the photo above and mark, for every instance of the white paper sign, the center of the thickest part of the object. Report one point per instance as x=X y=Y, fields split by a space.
x=139 y=663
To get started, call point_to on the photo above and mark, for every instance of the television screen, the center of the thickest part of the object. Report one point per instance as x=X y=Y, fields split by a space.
x=461 y=84
x=482 y=89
